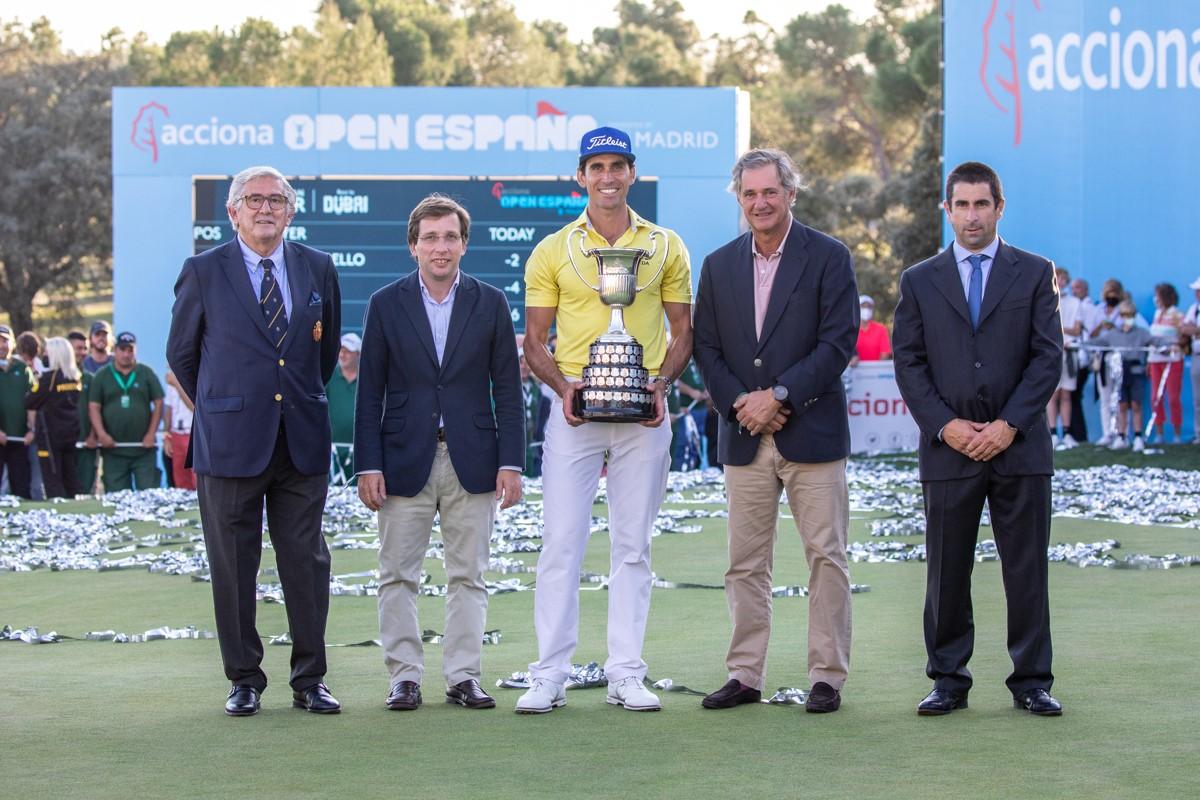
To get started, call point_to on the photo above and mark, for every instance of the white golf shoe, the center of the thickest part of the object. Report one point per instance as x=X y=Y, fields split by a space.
x=633 y=695
x=541 y=698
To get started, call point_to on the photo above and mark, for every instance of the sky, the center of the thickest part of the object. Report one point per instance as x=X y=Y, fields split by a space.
x=81 y=23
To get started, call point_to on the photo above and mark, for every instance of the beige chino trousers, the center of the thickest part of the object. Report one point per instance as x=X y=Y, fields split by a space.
x=819 y=500
x=405 y=524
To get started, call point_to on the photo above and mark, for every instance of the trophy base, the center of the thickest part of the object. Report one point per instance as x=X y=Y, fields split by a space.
x=615 y=382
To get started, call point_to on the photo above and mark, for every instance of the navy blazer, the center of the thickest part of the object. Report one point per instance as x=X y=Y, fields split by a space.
x=1007 y=369
x=403 y=391
x=226 y=361
x=807 y=340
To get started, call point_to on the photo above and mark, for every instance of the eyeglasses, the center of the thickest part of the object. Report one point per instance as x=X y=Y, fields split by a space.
x=433 y=238
x=255 y=201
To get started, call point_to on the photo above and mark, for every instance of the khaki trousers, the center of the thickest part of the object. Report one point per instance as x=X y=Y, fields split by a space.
x=819 y=500
x=404 y=527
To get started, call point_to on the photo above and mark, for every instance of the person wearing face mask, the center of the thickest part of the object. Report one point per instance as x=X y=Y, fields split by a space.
x=1059 y=407
x=873 y=343
x=1108 y=318
x=1132 y=341
x=1089 y=317
x=1166 y=368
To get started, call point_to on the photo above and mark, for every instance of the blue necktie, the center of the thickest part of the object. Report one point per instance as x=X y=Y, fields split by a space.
x=975 y=289
x=271 y=300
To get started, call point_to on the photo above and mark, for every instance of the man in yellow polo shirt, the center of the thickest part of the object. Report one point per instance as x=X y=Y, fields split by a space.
x=574 y=451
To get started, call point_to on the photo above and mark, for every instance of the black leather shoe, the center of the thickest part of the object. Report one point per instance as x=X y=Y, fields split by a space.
x=316 y=699
x=823 y=699
x=941 y=701
x=733 y=693
x=1039 y=702
x=242 y=701
x=405 y=696
x=469 y=694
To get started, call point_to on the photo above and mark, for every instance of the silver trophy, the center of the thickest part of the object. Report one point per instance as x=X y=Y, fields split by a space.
x=615 y=377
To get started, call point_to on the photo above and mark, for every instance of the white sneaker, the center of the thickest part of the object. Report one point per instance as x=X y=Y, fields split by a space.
x=1119 y=443
x=1138 y=444
x=633 y=695
x=1105 y=440
x=1055 y=442
x=541 y=698
x=1069 y=443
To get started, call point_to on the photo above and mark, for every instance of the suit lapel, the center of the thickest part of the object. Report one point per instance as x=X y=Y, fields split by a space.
x=414 y=308
x=1000 y=279
x=465 y=298
x=234 y=267
x=949 y=283
x=741 y=288
x=299 y=278
x=792 y=263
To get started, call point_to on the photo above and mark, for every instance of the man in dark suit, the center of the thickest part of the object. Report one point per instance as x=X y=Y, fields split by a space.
x=776 y=322
x=254 y=339
x=978 y=345
x=438 y=429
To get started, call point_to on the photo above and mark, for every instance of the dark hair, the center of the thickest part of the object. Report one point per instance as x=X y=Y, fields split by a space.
x=975 y=172
x=436 y=206
x=28 y=344
x=77 y=336
x=1165 y=292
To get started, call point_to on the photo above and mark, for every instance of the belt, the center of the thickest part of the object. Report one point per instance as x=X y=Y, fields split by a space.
x=441 y=434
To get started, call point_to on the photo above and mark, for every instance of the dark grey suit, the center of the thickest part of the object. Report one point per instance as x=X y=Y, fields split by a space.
x=1007 y=369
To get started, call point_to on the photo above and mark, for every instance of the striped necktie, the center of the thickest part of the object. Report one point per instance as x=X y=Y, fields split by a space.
x=271 y=300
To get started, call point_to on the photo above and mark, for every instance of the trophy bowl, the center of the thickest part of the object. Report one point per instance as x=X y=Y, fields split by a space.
x=615 y=378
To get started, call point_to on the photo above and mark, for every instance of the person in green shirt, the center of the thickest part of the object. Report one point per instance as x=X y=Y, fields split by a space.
x=16 y=429
x=340 y=392
x=125 y=403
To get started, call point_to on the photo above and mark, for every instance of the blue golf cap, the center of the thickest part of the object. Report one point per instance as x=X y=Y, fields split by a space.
x=605 y=140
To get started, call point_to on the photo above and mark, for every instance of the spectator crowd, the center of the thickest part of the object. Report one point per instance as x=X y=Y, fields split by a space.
x=80 y=414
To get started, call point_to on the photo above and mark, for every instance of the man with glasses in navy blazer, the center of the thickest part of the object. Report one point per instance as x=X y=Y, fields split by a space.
x=254 y=339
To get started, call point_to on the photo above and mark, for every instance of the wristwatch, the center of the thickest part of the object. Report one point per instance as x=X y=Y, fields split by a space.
x=780 y=393
x=663 y=379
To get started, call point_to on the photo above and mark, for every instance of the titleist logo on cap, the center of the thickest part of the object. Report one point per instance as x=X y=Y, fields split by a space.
x=598 y=141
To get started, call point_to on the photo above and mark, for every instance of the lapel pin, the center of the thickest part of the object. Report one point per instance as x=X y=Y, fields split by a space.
x=317 y=331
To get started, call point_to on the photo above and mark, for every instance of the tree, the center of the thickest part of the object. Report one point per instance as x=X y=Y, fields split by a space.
x=55 y=137
x=652 y=45
x=338 y=52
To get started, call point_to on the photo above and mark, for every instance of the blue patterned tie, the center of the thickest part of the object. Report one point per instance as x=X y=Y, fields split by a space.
x=975 y=289
x=271 y=300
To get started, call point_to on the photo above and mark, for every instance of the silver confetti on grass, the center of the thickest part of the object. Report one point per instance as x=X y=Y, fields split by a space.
x=583 y=676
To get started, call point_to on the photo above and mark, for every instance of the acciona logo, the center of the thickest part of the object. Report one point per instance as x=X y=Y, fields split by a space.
x=1099 y=60
x=1116 y=59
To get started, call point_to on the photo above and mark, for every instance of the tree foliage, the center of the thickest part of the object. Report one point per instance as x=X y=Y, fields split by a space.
x=856 y=103
x=56 y=205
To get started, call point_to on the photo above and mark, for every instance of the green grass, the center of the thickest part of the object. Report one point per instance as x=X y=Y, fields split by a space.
x=92 y=719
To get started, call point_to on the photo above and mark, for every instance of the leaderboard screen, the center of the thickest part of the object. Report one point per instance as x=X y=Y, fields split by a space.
x=362 y=223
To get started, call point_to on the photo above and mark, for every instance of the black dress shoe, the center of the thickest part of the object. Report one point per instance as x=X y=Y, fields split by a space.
x=316 y=699
x=242 y=701
x=405 y=696
x=941 y=701
x=1039 y=702
x=733 y=693
x=823 y=699
x=469 y=694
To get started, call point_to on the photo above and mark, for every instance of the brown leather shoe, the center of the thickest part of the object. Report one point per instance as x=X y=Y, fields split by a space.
x=733 y=693
x=469 y=694
x=822 y=699
x=316 y=699
x=405 y=696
